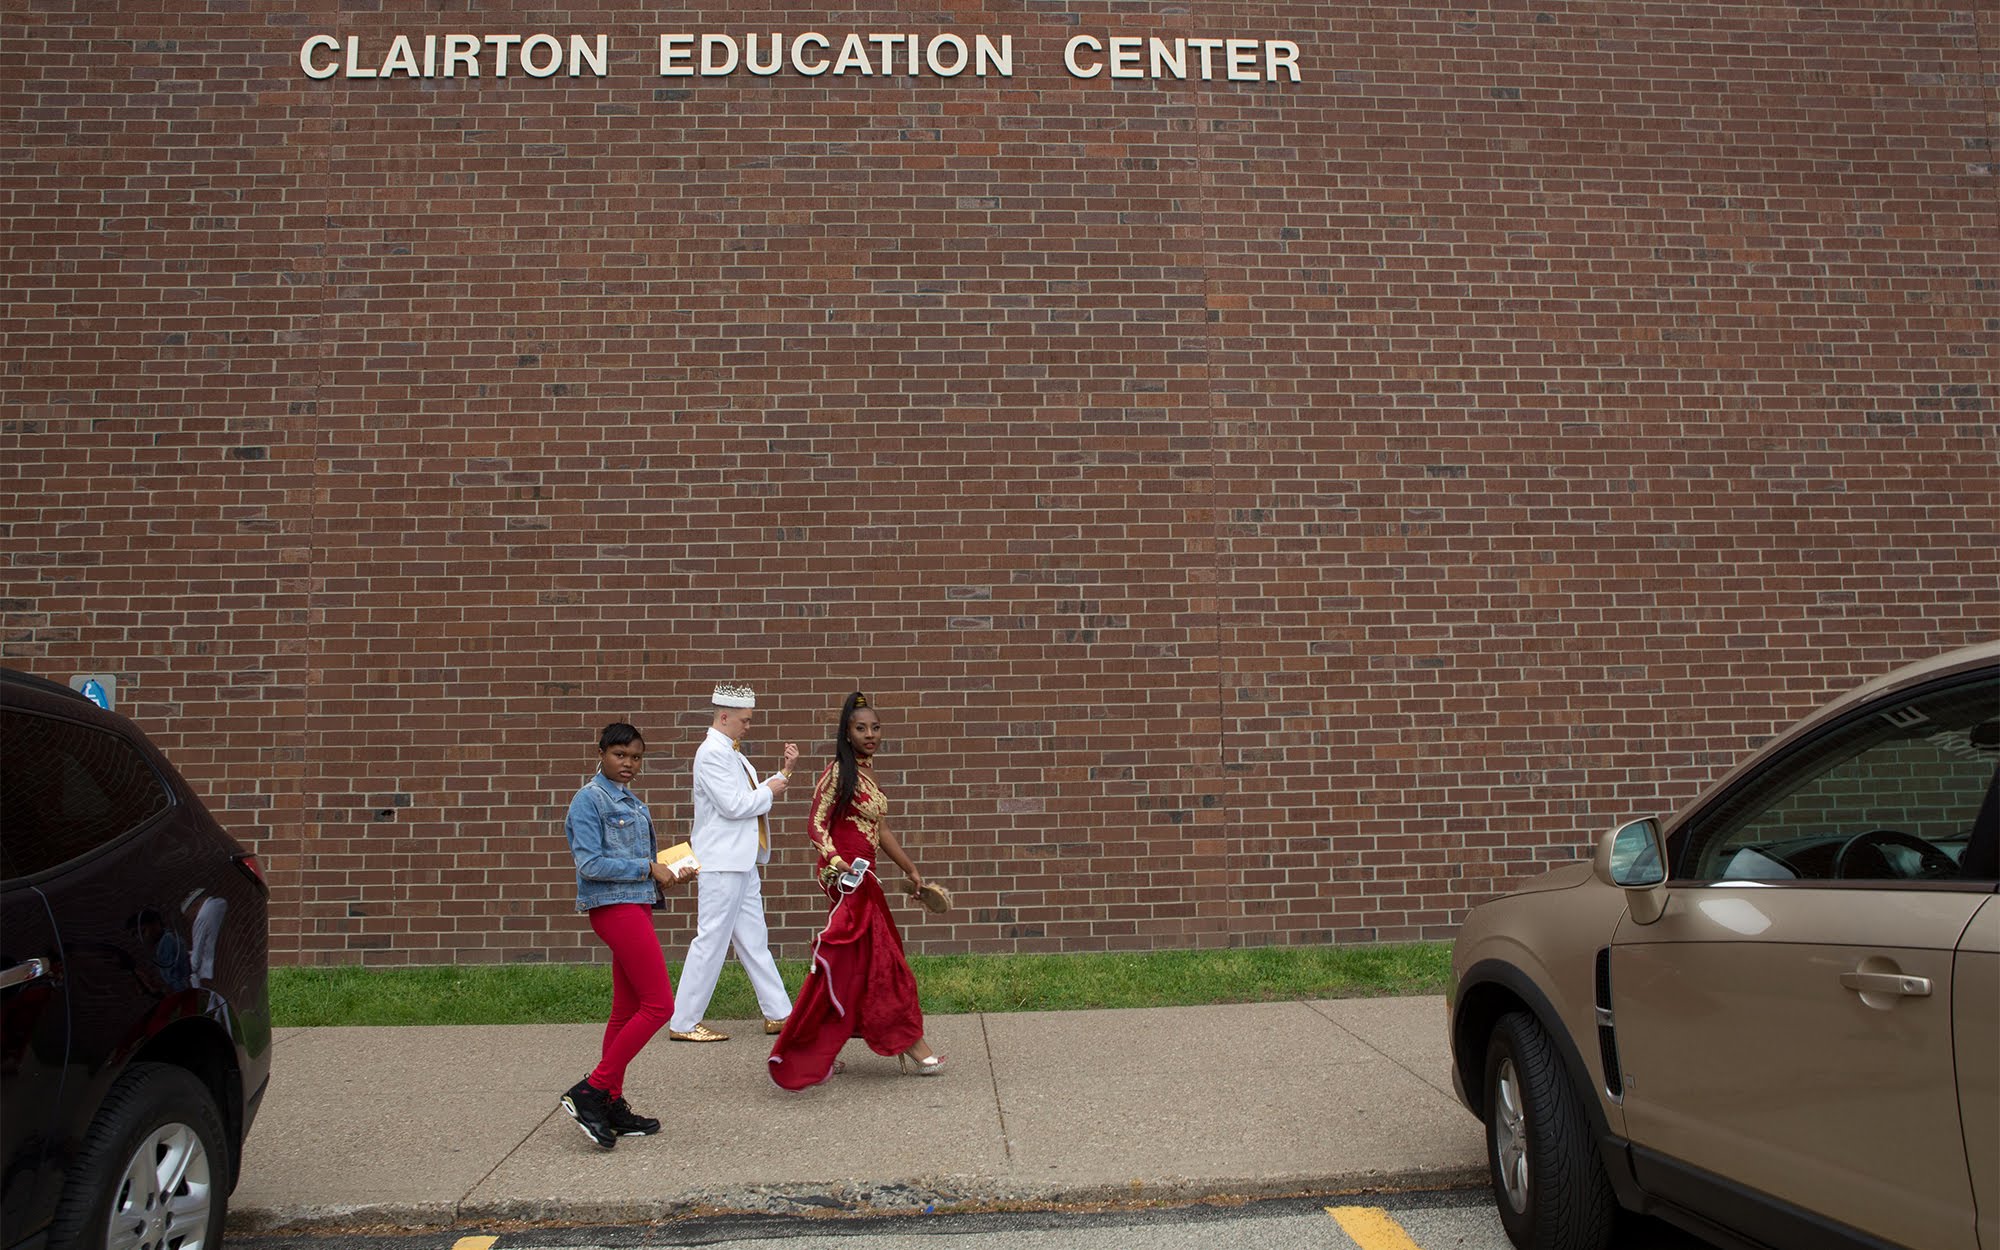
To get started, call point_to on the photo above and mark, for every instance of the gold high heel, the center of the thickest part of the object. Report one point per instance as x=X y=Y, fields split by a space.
x=929 y=1065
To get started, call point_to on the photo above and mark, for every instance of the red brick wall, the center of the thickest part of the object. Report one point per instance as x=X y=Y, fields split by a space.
x=1263 y=512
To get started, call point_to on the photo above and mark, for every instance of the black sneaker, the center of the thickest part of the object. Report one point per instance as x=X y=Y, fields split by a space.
x=629 y=1123
x=590 y=1107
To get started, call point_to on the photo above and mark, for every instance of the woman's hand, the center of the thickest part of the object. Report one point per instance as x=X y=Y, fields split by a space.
x=914 y=883
x=667 y=876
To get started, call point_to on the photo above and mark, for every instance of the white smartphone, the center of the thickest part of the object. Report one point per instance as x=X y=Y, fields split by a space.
x=850 y=880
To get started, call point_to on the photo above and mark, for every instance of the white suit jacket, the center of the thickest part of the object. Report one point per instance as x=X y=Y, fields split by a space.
x=727 y=802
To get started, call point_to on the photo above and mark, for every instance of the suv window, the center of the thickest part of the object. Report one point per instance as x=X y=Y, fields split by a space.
x=66 y=790
x=1893 y=793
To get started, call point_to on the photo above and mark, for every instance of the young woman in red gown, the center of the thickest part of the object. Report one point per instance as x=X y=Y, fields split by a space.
x=860 y=984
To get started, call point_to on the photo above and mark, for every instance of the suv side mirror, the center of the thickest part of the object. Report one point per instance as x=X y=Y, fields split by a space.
x=1633 y=857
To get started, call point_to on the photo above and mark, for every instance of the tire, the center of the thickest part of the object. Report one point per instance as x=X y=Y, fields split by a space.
x=1548 y=1181
x=154 y=1170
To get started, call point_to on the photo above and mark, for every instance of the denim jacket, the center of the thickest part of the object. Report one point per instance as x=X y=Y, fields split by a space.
x=610 y=836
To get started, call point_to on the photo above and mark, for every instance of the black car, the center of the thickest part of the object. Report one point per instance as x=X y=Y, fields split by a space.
x=135 y=1021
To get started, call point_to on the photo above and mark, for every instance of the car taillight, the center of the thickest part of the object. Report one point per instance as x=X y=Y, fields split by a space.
x=255 y=871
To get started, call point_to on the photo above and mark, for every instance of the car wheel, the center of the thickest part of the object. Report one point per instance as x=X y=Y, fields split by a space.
x=153 y=1174
x=1547 y=1179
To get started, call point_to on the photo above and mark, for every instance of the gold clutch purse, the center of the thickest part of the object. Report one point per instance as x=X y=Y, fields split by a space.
x=934 y=897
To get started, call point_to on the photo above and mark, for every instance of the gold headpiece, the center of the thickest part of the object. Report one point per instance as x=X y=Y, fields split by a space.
x=860 y=700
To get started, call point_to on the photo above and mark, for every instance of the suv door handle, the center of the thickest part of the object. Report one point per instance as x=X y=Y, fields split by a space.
x=1886 y=983
x=22 y=973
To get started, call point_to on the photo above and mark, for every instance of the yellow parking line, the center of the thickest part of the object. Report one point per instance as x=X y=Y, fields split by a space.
x=474 y=1243
x=1372 y=1228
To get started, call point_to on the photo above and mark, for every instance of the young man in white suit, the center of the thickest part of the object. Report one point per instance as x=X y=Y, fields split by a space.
x=731 y=838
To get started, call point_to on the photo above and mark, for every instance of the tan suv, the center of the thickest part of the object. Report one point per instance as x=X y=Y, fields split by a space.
x=1790 y=1037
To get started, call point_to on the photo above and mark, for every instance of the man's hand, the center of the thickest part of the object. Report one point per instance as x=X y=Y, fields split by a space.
x=777 y=783
x=791 y=756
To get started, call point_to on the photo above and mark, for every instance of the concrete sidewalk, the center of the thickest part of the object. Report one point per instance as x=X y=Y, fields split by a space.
x=417 y=1127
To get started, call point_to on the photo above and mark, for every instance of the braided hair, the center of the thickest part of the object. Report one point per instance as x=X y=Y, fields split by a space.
x=843 y=754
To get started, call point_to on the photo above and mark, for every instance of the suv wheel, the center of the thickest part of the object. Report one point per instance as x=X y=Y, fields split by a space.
x=153 y=1174
x=1547 y=1180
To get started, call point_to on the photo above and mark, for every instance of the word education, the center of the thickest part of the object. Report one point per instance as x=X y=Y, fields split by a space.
x=812 y=54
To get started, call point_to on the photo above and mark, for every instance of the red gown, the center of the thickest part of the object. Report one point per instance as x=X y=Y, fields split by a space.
x=860 y=984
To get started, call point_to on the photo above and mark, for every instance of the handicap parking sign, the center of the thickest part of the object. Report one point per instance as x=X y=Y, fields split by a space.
x=97 y=689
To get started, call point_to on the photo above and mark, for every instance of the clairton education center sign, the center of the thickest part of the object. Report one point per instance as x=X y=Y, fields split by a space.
x=809 y=54
x=1282 y=472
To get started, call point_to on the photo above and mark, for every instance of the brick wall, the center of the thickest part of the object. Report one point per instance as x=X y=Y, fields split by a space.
x=1263 y=512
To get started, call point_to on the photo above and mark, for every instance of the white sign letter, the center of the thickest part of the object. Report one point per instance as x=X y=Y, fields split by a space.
x=1000 y=58
x=542 y=43
x=354 y=69
x=1207 y=49
x=305 y=56
x=500 y=44
x=711 y=65
x=1125 y=56
x=1281 y=53
x=815 y=68
x=582 y=54
x=461 y=50
x=1069 y=57
x=765 y=68
x=940 y=67
x=1243 y=60
x=675 y=52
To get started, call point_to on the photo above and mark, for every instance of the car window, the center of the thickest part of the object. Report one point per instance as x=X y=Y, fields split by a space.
x=67 y=789
x=1893 y=793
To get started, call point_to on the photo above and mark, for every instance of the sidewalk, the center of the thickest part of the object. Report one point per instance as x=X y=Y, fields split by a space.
x=417 y=1127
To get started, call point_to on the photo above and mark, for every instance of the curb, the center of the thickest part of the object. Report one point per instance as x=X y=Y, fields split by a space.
x=825 y=1200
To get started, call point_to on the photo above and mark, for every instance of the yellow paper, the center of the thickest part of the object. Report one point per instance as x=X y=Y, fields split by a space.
x=679 y=857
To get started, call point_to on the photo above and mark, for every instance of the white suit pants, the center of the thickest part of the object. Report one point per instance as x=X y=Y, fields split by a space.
x=731 y=913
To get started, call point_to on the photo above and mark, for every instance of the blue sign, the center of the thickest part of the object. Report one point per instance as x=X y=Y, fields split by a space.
x=94 y=691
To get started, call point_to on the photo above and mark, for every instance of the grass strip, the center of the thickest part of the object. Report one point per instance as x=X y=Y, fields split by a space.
x=948 y=984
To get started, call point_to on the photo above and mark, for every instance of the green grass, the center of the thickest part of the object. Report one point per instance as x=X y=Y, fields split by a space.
x=949 y=984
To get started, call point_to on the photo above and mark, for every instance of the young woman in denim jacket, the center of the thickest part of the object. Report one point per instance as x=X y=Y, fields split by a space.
x=618 y=883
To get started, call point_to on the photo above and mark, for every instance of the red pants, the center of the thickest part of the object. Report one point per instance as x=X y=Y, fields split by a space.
x=642 y=995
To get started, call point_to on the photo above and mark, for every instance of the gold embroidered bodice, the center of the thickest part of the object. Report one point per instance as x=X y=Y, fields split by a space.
x=868 y=809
